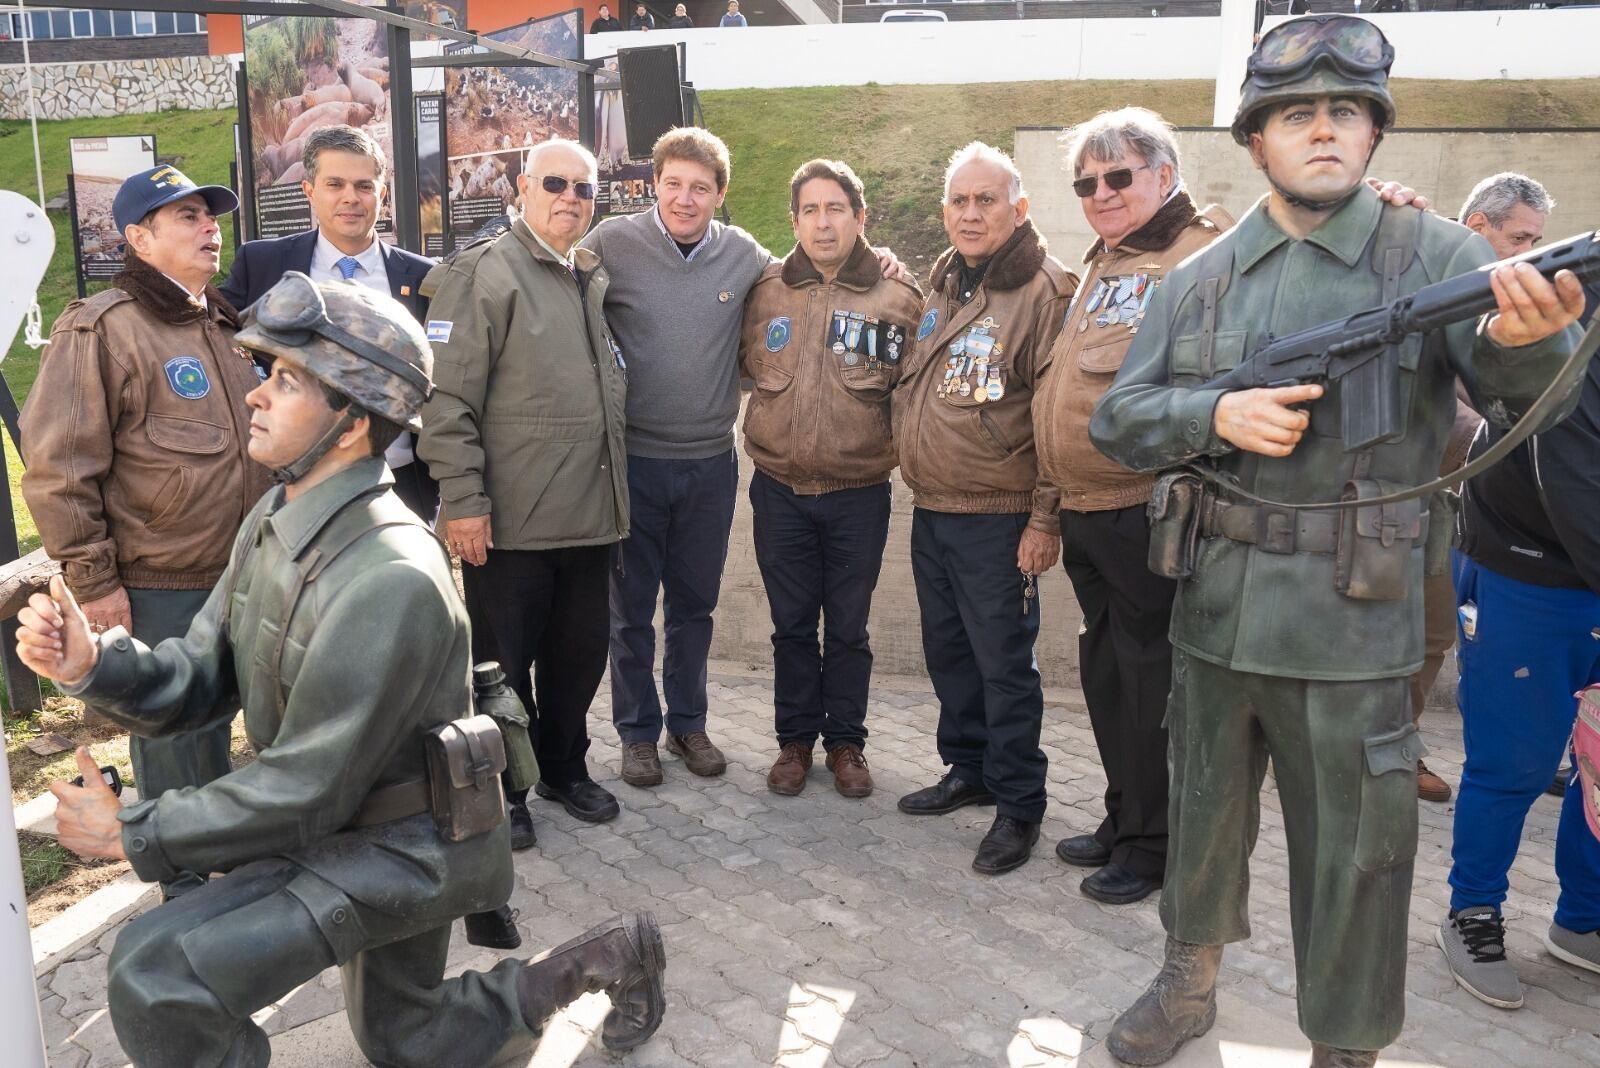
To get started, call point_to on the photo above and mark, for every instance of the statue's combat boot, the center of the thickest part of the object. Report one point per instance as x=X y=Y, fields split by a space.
x=496 y=929
x=623 y=957
x=1334 y=1057
x=1180 y=1003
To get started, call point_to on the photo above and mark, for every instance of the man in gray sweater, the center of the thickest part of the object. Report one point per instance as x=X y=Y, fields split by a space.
x=676 y=306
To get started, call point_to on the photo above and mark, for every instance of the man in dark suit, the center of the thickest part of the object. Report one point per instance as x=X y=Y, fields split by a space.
x=345 y=182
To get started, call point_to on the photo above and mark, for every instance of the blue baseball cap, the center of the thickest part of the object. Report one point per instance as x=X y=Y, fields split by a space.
x=159 y=186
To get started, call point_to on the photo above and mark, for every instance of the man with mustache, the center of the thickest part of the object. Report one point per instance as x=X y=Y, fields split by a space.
x=136 y=433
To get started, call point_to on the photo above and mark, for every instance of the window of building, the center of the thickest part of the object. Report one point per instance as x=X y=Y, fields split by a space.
x=144 y=23
x=165 y=23
x=122 y=23
x=189 y=23
x=82 y=25
x=61 y=24
x=102 y=23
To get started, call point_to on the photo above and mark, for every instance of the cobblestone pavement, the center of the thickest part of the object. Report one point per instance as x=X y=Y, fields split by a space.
x=815 y=930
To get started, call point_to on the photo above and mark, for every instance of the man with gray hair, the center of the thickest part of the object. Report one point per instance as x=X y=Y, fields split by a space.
x=1125 y=170
x=525 y=434
x=1509 y=210
x=346 y=182
x=984 y=527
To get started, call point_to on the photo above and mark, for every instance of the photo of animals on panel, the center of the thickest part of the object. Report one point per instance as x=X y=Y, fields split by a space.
x=494 y=114
x=99 y=167
x=304 y=74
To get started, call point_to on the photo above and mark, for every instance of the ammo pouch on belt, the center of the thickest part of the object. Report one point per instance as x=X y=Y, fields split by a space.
x=1174 y=514
x=1373 y=559
x=465 y=759
x=1442 y=506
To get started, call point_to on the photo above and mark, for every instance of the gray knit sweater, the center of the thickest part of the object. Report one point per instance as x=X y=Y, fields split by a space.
x=678 y=322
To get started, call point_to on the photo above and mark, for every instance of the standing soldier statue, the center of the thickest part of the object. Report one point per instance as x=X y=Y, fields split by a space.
x=1295 y=630
x=372 y=815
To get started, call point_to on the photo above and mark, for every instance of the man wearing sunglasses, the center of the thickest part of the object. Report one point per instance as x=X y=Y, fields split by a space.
x=524 y=433
x=1133 y=197
x=1295 y=630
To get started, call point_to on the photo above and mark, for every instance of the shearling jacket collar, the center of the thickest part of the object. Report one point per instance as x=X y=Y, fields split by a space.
x=860 y=272
x=1012 y=266
x=1159 y=233
x=159 y=295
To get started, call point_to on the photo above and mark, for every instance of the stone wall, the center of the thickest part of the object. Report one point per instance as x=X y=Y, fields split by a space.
x=128 y=87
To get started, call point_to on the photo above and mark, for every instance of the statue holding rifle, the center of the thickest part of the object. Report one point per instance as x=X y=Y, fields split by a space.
x=1295 y=627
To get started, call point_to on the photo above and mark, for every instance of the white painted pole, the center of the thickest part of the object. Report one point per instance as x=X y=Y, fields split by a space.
x=1238 y=26
x=19 y=999
x=26 y=241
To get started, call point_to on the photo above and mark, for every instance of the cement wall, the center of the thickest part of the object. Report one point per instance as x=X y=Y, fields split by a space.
x=1442 y=165
x=123 y=87
x=1526 y=44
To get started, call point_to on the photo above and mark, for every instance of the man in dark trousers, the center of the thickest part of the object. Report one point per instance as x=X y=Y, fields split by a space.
x=135 y=433
x=346 y=182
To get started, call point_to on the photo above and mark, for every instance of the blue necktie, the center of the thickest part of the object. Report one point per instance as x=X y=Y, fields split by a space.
x=347 y=266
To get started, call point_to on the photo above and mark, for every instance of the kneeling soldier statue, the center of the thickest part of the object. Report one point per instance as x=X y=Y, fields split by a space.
x=1295 y=629
x=372 y=815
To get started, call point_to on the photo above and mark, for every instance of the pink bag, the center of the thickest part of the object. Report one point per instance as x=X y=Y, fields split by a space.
x=1586 y=747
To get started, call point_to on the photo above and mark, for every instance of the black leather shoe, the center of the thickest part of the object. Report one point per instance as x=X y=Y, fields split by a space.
x=1008 y=845
x=951 y=793
x=1116 y=885
x=585 y=799
x=494 y=930
x=522 y=836
x=1084 y=850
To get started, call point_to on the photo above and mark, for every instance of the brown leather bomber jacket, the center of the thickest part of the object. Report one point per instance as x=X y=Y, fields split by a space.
x=135 y=435
x=824 y=356
x=963 y=418
x=1089 y=351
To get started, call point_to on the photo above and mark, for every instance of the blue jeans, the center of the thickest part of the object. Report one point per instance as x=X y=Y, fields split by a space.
x=681 y=512
x=978 y=642
x=1533 y=649
x=819 y=557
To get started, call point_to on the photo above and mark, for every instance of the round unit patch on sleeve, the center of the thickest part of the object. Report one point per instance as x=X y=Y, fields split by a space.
x=187 y=377
x=778 y=333
x=929 y=322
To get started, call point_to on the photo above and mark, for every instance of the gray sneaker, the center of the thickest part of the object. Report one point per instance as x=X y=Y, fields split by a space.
x=1573 y=947
x=1474 y=944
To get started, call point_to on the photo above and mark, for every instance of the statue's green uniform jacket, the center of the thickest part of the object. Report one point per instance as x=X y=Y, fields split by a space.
x=359 y=692
x=1280 y=614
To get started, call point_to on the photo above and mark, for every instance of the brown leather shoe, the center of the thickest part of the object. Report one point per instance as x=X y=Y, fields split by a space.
x=850 y=775
x=641 y=764
x=699 y=755
x=788 y=774
x=1429 y=786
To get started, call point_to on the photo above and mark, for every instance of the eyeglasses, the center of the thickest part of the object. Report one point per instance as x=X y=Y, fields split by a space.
x=555 y=185
x=1290 y=48
x=1121 y=178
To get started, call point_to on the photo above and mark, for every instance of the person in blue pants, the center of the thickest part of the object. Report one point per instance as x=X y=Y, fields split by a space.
x=1528 y=600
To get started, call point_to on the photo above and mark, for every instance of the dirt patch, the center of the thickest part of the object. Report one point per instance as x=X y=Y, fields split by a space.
x=55 y=879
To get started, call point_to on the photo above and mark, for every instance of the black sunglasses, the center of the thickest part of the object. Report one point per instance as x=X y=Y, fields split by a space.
x=1121 y=178
x=555 y=185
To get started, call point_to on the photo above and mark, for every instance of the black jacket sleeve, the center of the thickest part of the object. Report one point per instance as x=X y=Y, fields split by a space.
x=1566 y=463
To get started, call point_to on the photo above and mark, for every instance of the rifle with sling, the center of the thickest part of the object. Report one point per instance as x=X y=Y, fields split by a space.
x=1361 y=352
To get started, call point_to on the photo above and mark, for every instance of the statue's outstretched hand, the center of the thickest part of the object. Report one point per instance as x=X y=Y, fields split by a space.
x=54 y=638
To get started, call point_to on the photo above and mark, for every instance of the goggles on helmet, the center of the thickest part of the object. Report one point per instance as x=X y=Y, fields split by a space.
x=1290 y=49
x=294 y=315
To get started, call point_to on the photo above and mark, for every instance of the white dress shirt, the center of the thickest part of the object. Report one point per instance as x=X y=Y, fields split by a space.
x=370 y=272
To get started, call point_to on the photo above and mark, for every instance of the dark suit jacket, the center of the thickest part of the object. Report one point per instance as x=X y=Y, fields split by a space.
x=259 y=265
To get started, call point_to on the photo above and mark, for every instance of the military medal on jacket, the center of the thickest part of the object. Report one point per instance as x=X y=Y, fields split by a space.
x=1119 y=300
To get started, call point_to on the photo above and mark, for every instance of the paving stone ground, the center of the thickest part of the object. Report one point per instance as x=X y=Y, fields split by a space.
x=818 y=931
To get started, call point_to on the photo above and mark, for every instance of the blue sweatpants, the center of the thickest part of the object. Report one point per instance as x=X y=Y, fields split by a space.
x=1534 y=647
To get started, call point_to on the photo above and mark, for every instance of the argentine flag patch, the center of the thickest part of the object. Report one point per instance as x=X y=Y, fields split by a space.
x=439 y=331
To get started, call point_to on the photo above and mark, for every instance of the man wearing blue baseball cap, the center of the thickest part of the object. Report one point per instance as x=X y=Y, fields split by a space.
x=136 y=433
